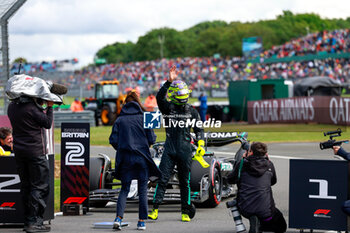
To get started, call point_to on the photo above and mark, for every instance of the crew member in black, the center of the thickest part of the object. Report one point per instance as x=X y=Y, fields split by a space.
x=28 y=120
x=254 y=199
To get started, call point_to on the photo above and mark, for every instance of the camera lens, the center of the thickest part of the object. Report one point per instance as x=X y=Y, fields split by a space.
x=236 y=215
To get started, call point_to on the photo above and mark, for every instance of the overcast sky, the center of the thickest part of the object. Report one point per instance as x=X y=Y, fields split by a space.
x=65 y=29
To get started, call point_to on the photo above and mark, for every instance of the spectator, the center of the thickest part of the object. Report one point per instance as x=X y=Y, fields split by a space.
x=133 y=159
x=150 y=103
x=76 y=106
x=6 y=139
x=203 y=107
x=254 y=198
x=28 y=119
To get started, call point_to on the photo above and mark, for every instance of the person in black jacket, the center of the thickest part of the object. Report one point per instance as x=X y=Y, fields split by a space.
x=254 y=199
x=28 y=120
x=177 y=147
x=133 y=158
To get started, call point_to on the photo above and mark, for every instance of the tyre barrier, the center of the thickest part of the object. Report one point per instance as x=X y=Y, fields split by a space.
x=85 y=116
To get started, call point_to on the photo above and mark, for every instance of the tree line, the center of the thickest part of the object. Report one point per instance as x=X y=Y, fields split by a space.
x=208 y=38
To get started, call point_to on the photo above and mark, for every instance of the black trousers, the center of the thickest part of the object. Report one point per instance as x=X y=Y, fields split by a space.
x=183 y=162
x=276 y=224
x=34 y=174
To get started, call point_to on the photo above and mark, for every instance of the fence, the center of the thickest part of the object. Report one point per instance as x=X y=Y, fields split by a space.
x=74 y=117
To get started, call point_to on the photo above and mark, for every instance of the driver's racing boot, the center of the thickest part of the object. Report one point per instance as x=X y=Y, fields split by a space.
x=153 y=215
x=185 y=218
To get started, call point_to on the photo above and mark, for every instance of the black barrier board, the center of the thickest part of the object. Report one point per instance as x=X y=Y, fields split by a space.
x=11 y=205
x=317 y=190
x=75 y=160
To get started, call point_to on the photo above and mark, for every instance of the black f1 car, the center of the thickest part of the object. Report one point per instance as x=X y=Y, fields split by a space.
x=208 y=185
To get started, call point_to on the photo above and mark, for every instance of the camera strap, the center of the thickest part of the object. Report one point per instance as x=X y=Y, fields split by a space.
x=240 y=168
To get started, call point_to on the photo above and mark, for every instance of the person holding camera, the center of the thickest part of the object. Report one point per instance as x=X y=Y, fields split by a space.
x=254 y=176
x=338 y=150
x=29 y=119
x=345 y=155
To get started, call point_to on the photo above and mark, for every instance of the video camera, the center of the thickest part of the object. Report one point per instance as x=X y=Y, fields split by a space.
x=21 y=86
x=332 y=142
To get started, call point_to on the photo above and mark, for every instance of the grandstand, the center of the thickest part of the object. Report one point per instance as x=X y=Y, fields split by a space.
x=318 y=54
x=324 y=42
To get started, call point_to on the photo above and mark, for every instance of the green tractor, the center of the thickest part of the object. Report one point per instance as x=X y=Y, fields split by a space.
x=107 y=102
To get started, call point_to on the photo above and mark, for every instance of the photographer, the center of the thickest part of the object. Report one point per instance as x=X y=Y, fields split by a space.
x=254 y=177
x=345 y=155
x=341 y=152
x=28 y=119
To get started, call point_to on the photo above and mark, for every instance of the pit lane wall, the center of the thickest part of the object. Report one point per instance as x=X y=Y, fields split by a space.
x=317 y=109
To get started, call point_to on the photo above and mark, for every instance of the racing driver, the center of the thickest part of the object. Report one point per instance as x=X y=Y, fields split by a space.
x=177 y=147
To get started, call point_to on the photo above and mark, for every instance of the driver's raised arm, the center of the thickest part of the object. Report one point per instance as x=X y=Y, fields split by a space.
x=162 y=102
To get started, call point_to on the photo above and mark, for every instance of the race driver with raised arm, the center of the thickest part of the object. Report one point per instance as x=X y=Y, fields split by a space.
x=177 y=147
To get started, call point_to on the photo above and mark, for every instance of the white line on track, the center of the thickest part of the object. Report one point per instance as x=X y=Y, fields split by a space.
x=284 y=157
x=271 y=156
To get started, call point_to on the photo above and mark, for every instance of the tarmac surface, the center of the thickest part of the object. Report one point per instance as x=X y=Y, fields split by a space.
x=206 y=220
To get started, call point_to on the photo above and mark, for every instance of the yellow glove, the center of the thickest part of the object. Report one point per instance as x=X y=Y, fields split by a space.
x=3 y=152
x=199 y=154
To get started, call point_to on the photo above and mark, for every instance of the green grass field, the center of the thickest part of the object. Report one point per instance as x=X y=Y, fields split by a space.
x=57 y=194
x=67 y=100
x=265 y=132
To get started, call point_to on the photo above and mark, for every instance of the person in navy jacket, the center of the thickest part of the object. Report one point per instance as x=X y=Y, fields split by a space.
x=133 y=158
x=203 y=106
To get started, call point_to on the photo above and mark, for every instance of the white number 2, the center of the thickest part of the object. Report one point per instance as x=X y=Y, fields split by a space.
x=76 y=150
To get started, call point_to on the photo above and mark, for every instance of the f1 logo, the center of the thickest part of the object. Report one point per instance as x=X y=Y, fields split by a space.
x=7 y=204
x=322 y=191
x=76 y=150
x=15 y=180
x=322 y=211
x=152 y=120
x=77 y=200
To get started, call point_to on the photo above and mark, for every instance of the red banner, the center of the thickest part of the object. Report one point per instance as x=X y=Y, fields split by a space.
x=318 y=109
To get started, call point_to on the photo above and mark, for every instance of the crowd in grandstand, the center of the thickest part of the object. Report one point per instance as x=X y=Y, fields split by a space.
x=337 y=41
x=53 y=66
x=209 y=73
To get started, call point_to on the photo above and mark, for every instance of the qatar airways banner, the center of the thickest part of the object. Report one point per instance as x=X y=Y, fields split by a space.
x=318 y=109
